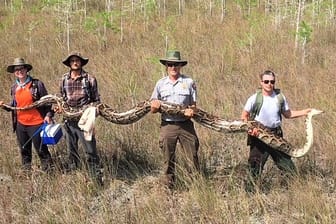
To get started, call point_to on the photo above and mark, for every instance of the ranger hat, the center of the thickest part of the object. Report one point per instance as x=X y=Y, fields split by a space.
x=84 y=60
x=19 y=62
x=173 y=56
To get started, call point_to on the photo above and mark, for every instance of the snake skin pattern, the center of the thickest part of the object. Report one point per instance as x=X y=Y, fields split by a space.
x=200 y=116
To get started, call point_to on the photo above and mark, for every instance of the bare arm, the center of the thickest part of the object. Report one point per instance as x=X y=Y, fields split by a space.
x=1 y=104
x=5 y=108
x=245 y=116
x=289 y=114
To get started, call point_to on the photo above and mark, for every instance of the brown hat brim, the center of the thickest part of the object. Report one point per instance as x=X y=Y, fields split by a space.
x=66 y=61
x=10 y=68
x=165 y=61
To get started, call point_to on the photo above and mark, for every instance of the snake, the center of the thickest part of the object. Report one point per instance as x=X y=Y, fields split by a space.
x=200 y=116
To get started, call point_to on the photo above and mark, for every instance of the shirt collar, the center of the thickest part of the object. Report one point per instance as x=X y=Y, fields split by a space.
x=179 y=79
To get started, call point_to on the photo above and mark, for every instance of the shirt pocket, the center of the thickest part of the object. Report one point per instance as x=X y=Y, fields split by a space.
x=183 y=97
x=165 y=94
x=184 y=92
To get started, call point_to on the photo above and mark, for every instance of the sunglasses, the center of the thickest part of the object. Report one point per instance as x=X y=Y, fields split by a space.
x=19 y=69
x=268 y=81
x=173 y=64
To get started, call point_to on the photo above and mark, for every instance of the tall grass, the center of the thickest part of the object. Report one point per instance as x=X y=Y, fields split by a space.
x=225 y=55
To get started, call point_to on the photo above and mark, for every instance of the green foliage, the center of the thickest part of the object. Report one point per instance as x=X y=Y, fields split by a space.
x=108 y=20
x=17 y=5
x=247 y=5
x=49 y=3
x=168 y=29
x=91 y=24
x=305 y=32
x=242 y=3
x=150 y=6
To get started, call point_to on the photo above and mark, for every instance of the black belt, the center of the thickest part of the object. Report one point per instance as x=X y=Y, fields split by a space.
x=163 y=122
x=277 y=131
x=72 y=120
x=274 y=129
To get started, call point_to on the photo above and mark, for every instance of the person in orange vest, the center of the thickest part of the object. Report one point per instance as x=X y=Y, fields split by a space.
x=27 y=123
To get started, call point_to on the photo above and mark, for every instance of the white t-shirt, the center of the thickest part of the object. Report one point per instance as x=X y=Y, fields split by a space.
x=269 y=112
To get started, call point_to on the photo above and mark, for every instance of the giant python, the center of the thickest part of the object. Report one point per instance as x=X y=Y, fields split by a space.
x=200 y=116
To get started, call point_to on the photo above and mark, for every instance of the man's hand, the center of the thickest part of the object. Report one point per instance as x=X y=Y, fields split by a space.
x=253 y=132
x=48 y=120
x=189 y=112
x=155 y=106
x=58 y=109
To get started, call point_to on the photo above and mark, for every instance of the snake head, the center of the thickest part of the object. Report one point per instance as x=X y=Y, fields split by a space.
x=315 y=112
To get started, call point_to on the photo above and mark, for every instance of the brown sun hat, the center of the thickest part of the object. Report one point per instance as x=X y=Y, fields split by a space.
x=173 y=56
x=84 y=60
x=19 y=62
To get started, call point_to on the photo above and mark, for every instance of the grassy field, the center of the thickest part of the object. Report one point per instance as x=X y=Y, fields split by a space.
x=227 y=44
